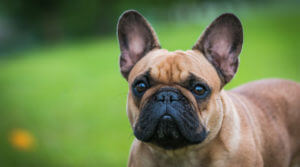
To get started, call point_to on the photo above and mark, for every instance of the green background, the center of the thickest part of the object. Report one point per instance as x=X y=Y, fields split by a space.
x=72 y=99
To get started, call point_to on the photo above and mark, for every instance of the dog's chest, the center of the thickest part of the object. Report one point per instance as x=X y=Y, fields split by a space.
x=183 y=160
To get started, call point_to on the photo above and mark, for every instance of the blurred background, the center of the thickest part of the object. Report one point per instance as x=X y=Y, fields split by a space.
x=62 y=98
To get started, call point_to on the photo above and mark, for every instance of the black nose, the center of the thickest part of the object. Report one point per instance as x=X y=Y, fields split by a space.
x=167 y=96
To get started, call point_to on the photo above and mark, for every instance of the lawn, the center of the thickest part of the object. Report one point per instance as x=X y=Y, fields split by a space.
x=69 y=100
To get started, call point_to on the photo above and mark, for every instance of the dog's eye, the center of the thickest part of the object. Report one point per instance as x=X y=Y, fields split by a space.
x=199 y=90
x=140 y=87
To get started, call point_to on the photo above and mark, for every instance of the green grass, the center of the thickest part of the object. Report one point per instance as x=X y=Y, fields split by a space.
x=72 y=99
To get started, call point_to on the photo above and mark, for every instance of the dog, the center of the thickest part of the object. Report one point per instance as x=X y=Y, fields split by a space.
x=181 y=115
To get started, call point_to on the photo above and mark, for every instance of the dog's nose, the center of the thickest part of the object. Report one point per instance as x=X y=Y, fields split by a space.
x=167 y=96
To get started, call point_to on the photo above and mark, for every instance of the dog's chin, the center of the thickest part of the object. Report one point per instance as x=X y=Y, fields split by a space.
x=168 y=135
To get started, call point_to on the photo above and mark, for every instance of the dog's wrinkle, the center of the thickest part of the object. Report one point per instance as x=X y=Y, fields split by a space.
x=189 y=124
x=183 y=114
x=188 y=128
x=147 y=122
x=171 y=69
x=190 y=120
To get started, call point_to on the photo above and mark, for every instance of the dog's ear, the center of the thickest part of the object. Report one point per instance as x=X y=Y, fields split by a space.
x=221 y=44
x=136 y=38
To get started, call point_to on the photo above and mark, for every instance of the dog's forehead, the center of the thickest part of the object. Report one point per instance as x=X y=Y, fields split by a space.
x=171 y=67
x=175 y=67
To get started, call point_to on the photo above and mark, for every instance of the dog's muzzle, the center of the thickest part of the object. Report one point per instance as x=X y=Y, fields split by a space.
x=169 y=121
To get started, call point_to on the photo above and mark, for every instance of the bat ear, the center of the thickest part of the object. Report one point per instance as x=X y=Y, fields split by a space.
x=136 y=39
x=221 y=43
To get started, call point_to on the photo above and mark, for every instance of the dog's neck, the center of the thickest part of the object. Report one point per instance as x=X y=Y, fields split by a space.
x=201 y=154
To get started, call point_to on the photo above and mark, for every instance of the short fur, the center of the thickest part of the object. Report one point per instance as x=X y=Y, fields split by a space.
x=256 y=124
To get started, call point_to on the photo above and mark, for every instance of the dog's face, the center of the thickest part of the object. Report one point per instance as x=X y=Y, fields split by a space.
x=173 y=98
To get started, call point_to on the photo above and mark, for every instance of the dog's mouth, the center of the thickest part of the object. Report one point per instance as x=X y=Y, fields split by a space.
x=169 y=125
x=167 y=134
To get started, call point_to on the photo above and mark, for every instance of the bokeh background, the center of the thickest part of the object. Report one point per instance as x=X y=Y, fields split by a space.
x=62 y=98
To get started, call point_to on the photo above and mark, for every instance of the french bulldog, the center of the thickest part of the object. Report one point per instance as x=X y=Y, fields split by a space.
x=182 y=117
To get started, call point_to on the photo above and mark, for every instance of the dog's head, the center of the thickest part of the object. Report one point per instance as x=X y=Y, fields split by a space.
x=173 y=98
